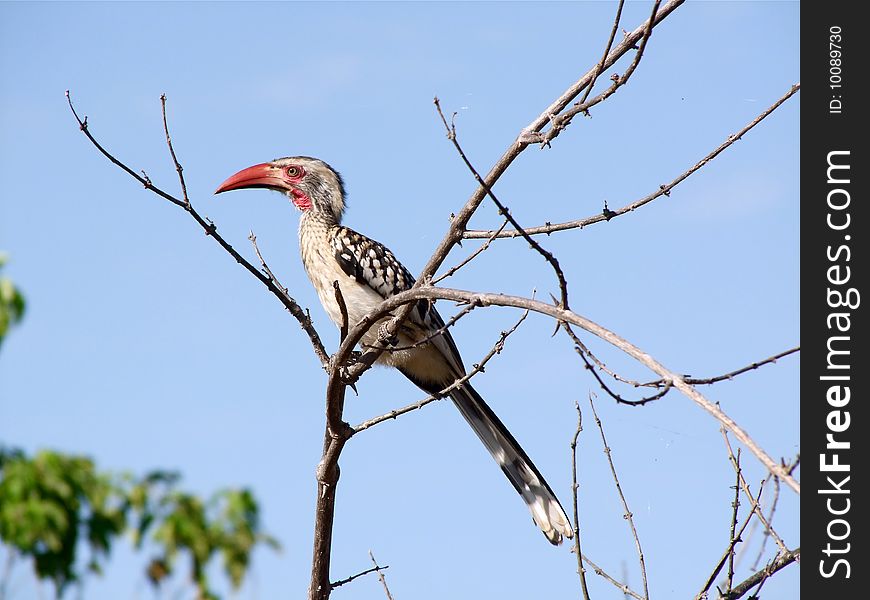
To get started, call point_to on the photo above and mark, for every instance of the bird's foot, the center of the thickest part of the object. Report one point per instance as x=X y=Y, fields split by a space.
x=342 y=370
x=385 y=337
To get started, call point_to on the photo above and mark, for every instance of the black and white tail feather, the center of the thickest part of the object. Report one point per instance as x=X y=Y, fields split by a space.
x=515 y=463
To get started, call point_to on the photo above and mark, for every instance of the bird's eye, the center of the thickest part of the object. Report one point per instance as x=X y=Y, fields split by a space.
x=295 y=171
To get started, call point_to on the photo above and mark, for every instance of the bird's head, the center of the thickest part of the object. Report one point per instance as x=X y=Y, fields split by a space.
x=310 y=183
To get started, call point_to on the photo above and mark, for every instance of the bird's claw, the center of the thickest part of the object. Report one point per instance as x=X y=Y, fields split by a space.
x=385 y=337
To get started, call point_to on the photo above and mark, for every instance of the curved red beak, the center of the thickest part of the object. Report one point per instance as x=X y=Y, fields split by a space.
x=263 y=175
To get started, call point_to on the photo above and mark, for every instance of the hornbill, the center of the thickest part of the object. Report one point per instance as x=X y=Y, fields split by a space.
x=423 y=350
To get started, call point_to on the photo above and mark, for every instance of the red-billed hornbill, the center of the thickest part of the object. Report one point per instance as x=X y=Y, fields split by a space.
x=367 y=273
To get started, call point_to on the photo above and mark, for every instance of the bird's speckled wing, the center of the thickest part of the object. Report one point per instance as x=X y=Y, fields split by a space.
x=372 y=264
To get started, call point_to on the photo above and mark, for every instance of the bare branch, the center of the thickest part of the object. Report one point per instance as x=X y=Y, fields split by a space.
x=783 y=560
x=741 y=482
x=304 y=318
x=211 y=231
x=599 y=68
x=503 y=210
x=429 y=337
x=752 y=367
x=341 y=582
x=776 y=487
x=471 y=256
x=662 y=190
x=583 y=352
x=178 y=167
x=559 y=123
x=586 y=354
x=619 y=585
x=581 y=570
x=628 y=514
x=734 y=538
x=560 y=314
x=531 y=133
x=477 y=368
x=460 y=221
x=381 y=577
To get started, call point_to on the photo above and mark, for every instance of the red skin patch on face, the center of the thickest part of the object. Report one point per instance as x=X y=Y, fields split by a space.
x=301 y=199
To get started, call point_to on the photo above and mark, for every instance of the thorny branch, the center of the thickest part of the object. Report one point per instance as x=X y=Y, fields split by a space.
x=560 y=122
x=628 y=514
x=664 y=386
x=758 y=578
x=581 y=558
x=476 y=368
x=583 y=351
x=483 y=247
x=502 y=209
x=178 y=167
x=429 y=337
x=458 y=225
x=381 y=577
x=618 y=584
x=790 y=468
x=560 y=314
x=734 y=538
x=740 y=371
x=575 y=487
x=741 y=484
x=662 y=190
x=377 y=568
x=211 y=231
x=599 y=68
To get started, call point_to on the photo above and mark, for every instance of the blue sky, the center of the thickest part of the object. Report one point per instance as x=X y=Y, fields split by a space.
x=146 y=346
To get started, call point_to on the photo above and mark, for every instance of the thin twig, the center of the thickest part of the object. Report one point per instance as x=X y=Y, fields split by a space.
x=347 y=580
x=729 y=580
x=752 y=367
x=581 y=570
x=662 y=190
x=502 y=209
x=627 y=515
x=211 y=230
x=773 y=504
x=690 y=380
x=560 y=122
x=783 y=560
x=432 y=335
x=742 y=483
x=471 y=256
x=729 y=551
x=381 y=577
x=582 y=351
x=622 y=587
x=599 y=68
x=178 y=167
x=476 y=368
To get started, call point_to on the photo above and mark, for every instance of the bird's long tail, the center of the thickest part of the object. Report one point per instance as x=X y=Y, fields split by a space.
x=515 y=463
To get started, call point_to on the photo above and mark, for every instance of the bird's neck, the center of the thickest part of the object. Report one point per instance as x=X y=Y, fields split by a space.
x=315 y=231
x=317 y=219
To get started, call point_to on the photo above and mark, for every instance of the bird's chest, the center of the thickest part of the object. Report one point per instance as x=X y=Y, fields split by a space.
x=318 y=257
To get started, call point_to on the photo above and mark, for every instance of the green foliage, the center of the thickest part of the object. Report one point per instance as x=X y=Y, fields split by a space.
x=48 y=502
x=11 y=302
x=52 y=502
